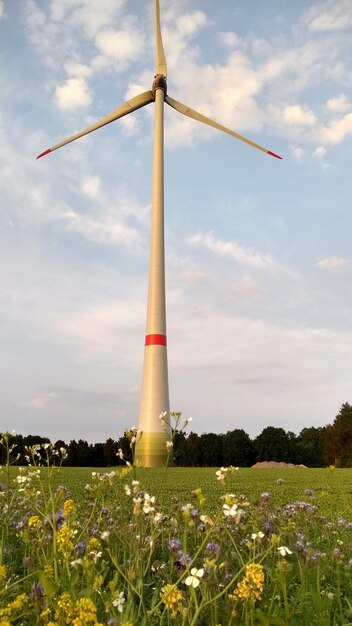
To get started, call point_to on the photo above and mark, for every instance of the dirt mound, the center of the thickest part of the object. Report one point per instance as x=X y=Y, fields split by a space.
x=281 y=465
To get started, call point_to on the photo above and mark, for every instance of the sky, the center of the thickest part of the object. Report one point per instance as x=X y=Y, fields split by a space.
x=258 y=250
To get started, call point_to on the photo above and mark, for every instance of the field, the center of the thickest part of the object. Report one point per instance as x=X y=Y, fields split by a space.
x=333 y=489
x=127 y=546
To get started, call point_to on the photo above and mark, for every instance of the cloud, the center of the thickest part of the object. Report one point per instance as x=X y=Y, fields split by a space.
x=334 y=15
x=120 y=45
x=319 y=153
x=91 y=186
x=106 y=231
x=78 y=69
x=333 y=263
x=72 y=94
x=189 y=23
x=247 y=287
x=238 y=253
x=295 y=115
x=42 y=401
x=297 y=152
x=1 y=9
x=336 y=131
x=338 y=104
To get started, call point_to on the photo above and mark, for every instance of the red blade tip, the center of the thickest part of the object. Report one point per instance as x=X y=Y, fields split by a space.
x=273 y=154
x=43 y=153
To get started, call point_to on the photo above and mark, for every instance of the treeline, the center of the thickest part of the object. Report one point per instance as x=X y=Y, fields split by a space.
x=314 y=447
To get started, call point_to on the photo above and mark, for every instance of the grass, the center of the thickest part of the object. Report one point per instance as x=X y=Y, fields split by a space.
x=333 y=489
x=190 y=547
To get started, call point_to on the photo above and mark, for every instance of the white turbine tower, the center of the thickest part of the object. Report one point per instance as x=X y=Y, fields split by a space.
x=151 y=448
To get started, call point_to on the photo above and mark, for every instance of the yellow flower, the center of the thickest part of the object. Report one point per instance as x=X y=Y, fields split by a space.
x=173 y=599
x=34 y=521
x=252 y=585
x=65 y=611
x=49 y=571
x=2 y=571
x=93 y=545
x=69 y=507
x=13 y=607
x=64 y=540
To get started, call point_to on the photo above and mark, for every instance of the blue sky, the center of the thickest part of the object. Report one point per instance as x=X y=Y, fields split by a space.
x=258 y=251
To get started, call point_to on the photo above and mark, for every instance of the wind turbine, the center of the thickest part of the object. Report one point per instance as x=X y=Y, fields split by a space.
x=151 y=448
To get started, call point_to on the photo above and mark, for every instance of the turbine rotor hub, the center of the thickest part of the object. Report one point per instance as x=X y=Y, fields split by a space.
x=159 y=83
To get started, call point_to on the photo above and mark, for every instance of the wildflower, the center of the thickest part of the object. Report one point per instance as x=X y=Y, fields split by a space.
x=194 y=579
x=2 y=571
x=259 y=535
x=252 y=585
x=119 y=601
x=175 y=544
x=37 y=594
x=68 y=508
x=230 y=511
x=120 y=454
x=213 y=548
x=284 y=550
x=64 y=540
x=148 y=502
x=280 y=481
x=86 y=612
x=34 y=521
x=169 y=446
x=173 y=599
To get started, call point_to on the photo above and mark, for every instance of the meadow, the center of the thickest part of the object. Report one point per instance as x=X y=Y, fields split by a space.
x=128 y=546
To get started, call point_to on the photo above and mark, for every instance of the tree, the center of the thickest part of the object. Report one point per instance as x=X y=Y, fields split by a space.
x=339 y=437
x=273 y=444
x=310 y=442
x=238 y=449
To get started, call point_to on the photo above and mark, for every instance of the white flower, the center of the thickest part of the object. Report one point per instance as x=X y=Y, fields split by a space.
x=259 y=535
x=127 y=490
x=119 y=601
x=284 y=550
x=105 y=535
x=148 y=503
x=194 y=579
x=76 y=562
x=230 y=511
x=120 y=453
x=169 y=446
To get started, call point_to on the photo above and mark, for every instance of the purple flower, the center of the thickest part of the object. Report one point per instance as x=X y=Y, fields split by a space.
x=37 y=594
x=80 y=548
x=175 y=545
x=316 y=555
x=266 y=496
x=213 y=548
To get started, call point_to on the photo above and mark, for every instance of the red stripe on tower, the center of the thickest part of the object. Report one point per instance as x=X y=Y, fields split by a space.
x=155 y=340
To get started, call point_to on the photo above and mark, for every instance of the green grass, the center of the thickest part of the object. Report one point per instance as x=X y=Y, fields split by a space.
x=332 y=490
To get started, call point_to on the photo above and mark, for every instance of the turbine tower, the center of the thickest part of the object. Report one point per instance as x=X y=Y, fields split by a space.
x=151 y=448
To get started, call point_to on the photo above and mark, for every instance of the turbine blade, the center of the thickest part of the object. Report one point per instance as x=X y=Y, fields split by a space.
x=131 y=105
x=160 y=54
x=182 y=108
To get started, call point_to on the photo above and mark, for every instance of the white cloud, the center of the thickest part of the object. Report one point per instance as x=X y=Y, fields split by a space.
x=295 y=115
x=336 y=131
x=247 y=287
x=91 y=186
x=333 y=263
x=42 y=401
x=319 y=153
x=104 y=231
x=240 y=254
x=330 y=16
x=338 y=104
x=78 y=69
x=120 y=45
x=189 y=23
x=297 y=152
x=73 y=94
